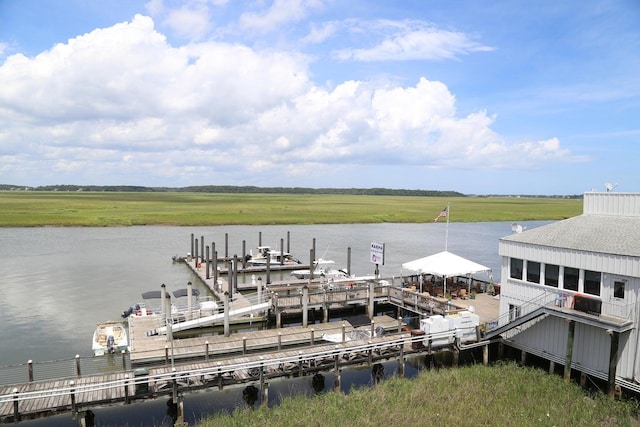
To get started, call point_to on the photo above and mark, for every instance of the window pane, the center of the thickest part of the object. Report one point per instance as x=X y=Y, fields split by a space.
x=618 y=289
x=592 y=282
x=516 y=269
x=571 y=278
x=551 y=274
x=533 y=272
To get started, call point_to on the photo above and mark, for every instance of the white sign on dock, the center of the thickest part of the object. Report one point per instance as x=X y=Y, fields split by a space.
x=377 y=253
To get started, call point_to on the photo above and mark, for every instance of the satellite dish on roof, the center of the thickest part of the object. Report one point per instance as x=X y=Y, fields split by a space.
x=610 y=186
x=517 y=228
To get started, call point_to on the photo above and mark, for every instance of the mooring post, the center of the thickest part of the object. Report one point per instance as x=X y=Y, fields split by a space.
x=196 y=256
x=268 y=267
x=206 y=265
x=226 y=314
x=373 y=328
x=567 y=364
x=401 y=361
x=288 y=241
x=305 y=306
x=259 y=238
x=311 y=263
x=16 y=412
x=124 y=360
x=552 y=367
x=312 y=336
x=201 y=248
x=192 y=245
x=226 y=246
x=244 y=254
x=399 y=323
x=370 y=354
x=349 y=261
x=281 y=251
x=126 y=389
x=244 y=345
x=206 y=350
x=72 y=392
x=279 y=340
x=30 y=363
x=215 y=269
x=344 y=335
x=235 y=273
x=371 y=306
x=220 y=382
x=189 y=298
x=163 y=293
x=166 y=355
x=78 y=373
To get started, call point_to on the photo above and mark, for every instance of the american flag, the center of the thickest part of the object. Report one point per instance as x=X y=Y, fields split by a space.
x=441 y=214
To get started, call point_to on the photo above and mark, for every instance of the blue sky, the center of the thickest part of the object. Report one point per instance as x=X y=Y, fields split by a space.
x=502 y=97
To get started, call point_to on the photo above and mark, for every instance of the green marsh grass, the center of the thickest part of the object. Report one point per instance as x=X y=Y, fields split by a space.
x=501 y=395
x=101 y=209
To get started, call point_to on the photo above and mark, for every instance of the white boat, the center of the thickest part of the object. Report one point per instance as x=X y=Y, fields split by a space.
x=110 y=337
x=266 y=254
x=322 y=268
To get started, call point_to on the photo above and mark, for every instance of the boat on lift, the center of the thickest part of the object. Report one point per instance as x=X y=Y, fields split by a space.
x=110 y=337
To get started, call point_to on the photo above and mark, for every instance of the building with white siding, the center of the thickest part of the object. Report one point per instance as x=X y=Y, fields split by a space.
x=569 y=290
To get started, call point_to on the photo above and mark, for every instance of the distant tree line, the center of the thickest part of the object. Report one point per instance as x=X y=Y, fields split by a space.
x=234 y=189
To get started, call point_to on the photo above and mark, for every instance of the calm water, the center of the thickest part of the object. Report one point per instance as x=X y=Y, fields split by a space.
x=57 y=283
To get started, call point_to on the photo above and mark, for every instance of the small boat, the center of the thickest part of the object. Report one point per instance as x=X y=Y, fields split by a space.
x=110 y=337
x=322 y=268
x=266 y=254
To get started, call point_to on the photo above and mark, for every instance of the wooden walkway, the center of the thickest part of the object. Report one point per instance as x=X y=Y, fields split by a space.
x=152 y=349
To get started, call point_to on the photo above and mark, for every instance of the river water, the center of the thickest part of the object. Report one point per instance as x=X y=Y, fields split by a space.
x=58 y=283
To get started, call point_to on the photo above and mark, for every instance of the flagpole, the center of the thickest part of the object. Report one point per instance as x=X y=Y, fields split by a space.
x=446 y=238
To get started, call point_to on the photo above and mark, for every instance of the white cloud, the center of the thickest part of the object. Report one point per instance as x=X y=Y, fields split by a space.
x=189 y=22
x=410 y=40
x=120 y=103
x=280 y=13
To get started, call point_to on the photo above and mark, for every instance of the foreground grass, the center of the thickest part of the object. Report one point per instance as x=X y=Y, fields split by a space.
x=32 y=209
x=502 y=395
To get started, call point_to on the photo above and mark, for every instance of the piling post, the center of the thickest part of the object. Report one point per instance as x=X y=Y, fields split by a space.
x=370 y=354
x=567 y=365
x=215 y=267
x=226 y=246
x=312 y=336
x=300 y=373
x=166 y=355
x=72 y=392
x=16 y=412
x=305 y=306
x=244 y=345
x=343 y=332
x=195 y=257
x=288 y=241
x=349 y=260
x=373 y=328
x=163 y=293
x=259 y=238
x=552 y=367
x=230 y=279
x=244 y=254
x=485 y=355
x=226 y=314
x=206 y=265
x=336 y=360
x=268 y=267
x=192 y=245
x=189 y=298
x=78 y=373
x=206 y=350
x=523 y=357
x=279 y=340
x=220 y=381
x=124 y=360
x=399 y=323
x=235 y=273
x=613 y=362
x=126 y=389
x=401 y=361
x=370 y=307
x=201 y=248
x=311 y=263
x=30 y=363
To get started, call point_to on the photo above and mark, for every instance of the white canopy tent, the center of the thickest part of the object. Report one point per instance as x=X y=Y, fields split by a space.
x=445 y=264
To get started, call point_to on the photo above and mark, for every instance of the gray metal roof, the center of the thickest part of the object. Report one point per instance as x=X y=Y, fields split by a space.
x=618 y=235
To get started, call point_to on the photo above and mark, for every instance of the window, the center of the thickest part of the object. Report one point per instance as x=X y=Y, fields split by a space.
x=514 y=312
x=551 y=274
x=516 y=269
x=571 y=276
x=533 y=272
x=618 y=289
x=592 y=282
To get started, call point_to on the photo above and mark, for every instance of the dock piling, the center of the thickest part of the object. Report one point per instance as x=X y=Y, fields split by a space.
x=78 y=373
x=16 y=412
x=30 y=363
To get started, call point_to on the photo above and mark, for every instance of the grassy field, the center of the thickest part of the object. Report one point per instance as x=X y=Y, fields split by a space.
x=31 y=209
x=502 y=395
